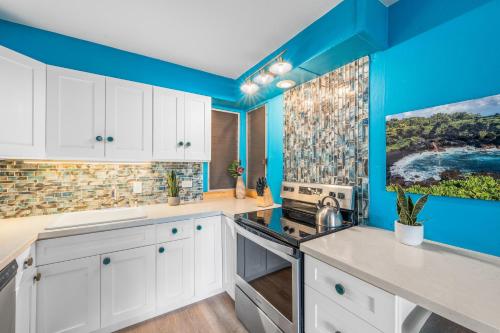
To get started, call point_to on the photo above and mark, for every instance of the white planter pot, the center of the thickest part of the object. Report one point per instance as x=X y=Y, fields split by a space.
x=174 y=201
x=409 y=234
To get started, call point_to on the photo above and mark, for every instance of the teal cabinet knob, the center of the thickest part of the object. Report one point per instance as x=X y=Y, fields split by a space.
x=161 y=249
x=98 y=138
x=110 y=139
x=174 y=230
x=106 y=261
x=339 y=289
x=181 y=143
x=188 y=144
x=198 y=227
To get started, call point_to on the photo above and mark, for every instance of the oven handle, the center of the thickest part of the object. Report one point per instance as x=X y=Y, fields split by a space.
x=265 y=242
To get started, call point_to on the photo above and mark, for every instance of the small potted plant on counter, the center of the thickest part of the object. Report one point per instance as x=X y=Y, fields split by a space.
x=264 y=196
x=408 y=229
x=236 y=171
x=173 y=189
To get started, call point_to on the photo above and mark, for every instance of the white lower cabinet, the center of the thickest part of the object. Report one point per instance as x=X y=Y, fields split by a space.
x=113 y=286
x=174 y=273
x=228 y=255
x=325 y=316
x=208 y=255
x=67 y=296
x=127 y=284
x=25 y=297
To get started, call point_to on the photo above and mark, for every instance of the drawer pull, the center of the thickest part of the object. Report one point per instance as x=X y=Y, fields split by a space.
x=37 y=277
x=339 y=289
x=198 y=227
x=106 y=261
x=174 y=230
x=161 y=249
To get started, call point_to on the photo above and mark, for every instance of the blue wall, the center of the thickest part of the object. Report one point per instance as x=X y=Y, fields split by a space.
x=439 y=59
x=449 y=62
x=64 y=51
x=275 y=145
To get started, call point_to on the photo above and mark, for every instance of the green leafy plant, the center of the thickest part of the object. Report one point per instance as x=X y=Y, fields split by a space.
x=261 y=186
x=235 y=169
x=407 y=211
x=172 y=184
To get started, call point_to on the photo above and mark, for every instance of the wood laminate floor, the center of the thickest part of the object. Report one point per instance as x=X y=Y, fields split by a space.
x=215 y=314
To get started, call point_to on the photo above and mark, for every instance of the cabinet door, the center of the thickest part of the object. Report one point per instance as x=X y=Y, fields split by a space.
x=127 y=284
x=174 y=273
x=168 y=125
x=129 y=120
x=68 y=296
x=228 y=255
x=208 y=255
x=75 y=114
x=25 y=297
x=198 y=124
x=22 y=105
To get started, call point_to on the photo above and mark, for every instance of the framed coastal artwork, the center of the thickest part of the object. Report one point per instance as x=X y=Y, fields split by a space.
x=449 y=150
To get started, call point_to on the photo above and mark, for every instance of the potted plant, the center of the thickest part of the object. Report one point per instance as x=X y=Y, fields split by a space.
x=408 y=229
x=264 y=196
x=173 y=189
x=236 y=170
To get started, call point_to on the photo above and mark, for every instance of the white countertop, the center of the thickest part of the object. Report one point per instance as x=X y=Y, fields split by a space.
x=17 y=234
x=460 y=285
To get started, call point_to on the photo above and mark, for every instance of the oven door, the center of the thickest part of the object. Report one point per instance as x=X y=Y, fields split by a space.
x=268 y=272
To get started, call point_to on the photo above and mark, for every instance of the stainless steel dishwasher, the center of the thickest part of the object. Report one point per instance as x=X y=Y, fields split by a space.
x=8 y=298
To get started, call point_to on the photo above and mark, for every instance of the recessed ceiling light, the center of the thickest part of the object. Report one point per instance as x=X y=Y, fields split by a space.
x=249 y=88
x=280 y=67
x=263 y=78
x=285 y=84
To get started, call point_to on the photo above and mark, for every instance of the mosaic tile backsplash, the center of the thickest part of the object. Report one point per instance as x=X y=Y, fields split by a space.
x=29 y=188
x=326 y=131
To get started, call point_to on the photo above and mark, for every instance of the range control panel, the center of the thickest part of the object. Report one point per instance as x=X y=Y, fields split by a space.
x=312 y=193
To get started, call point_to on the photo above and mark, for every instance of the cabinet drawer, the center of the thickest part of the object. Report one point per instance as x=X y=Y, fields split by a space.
x=73 y=247
x=370 y=303
x=325 y=316
x=172 y=231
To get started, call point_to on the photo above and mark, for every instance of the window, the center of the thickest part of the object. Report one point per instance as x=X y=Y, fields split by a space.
x=225 y=146
x=256 y=145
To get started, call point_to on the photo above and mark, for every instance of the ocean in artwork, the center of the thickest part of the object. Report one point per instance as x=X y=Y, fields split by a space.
x=450 y=150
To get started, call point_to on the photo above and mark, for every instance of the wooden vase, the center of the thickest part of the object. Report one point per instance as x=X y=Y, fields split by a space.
x=266 y=200
x=240 y=188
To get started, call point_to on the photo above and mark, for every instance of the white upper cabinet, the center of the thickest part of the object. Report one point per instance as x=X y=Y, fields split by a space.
x=168 y=119
x=182 y=126
x=129 y=120
x=22 y=105
x=75 y=114
x=197 y=128
x=59 y=113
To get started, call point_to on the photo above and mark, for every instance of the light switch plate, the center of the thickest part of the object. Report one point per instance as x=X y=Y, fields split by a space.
x=137 y=187
x=187 y=183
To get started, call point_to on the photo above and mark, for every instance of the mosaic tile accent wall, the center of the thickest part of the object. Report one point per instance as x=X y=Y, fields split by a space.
x=326 y=131
x=30 y=188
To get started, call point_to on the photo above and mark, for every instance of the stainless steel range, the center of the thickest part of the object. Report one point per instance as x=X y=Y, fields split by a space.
x=269 y=263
